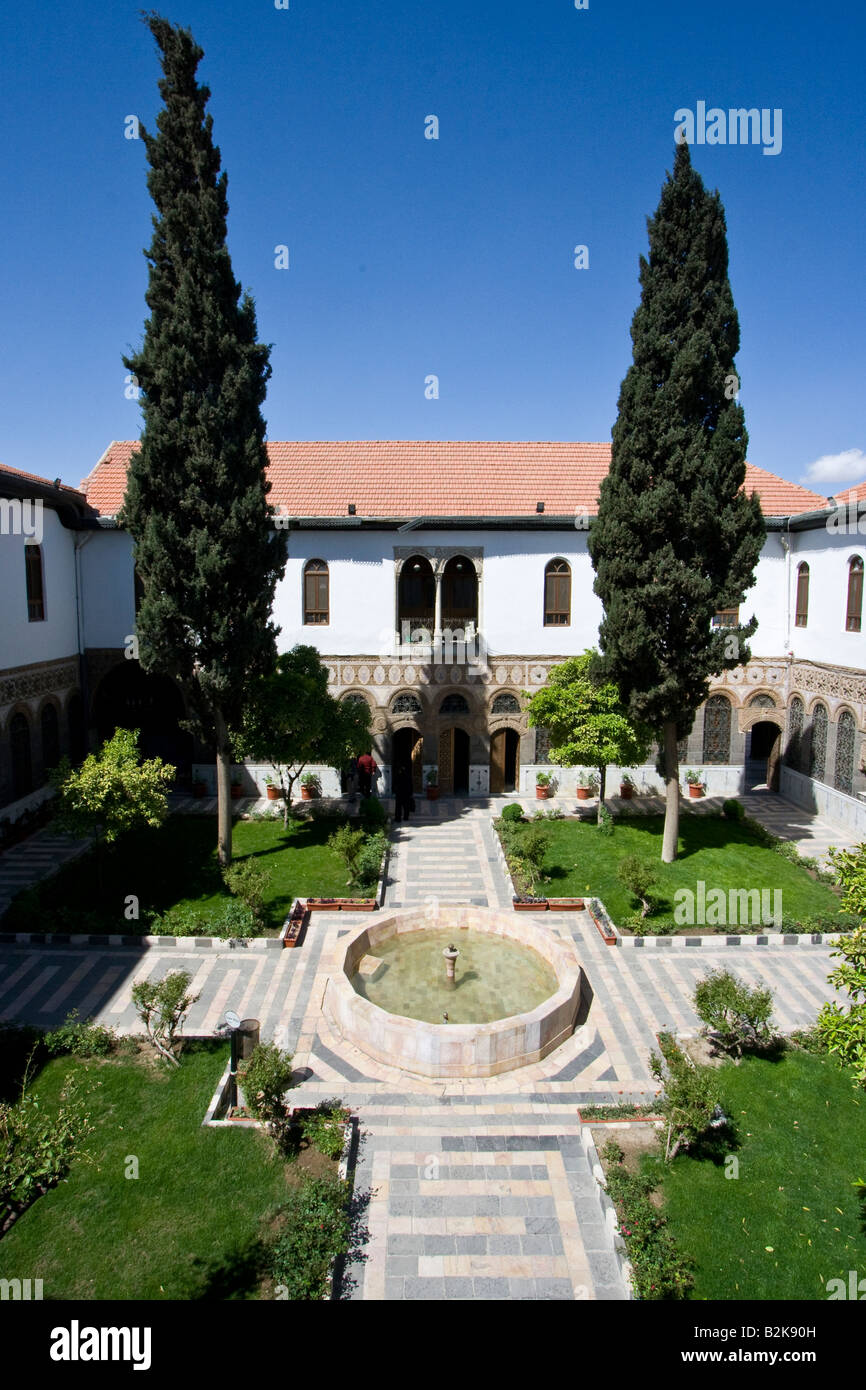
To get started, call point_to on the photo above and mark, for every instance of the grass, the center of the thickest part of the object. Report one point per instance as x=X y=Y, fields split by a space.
x=791 y=1220
x=723 y=853
x=176 y=865
x=188 y=1227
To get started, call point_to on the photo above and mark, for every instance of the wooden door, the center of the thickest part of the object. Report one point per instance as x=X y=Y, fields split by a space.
x=497 y=763
x=446 y=762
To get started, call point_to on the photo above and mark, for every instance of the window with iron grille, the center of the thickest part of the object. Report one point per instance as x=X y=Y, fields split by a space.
x=727 y=617
x=35 y=583
x=802 y=615
x=454 y=704
x=855 y=595
x=406 y=704
x=557 y=594
x=506 y=704
x=316 y=610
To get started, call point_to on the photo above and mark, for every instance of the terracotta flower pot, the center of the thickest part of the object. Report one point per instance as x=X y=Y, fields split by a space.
x=542 y=793
x=199 y=789
x=583 y=793
x=432 y=793
x=695 y=790
x=237 y=792
x=274 y=793
x=307 y=793
x=626 y=792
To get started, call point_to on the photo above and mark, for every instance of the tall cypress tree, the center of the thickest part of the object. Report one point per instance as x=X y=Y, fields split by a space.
x=676 y=539
x=196 y=498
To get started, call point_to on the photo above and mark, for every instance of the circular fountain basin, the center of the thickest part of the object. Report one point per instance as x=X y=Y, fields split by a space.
x=521 y=1015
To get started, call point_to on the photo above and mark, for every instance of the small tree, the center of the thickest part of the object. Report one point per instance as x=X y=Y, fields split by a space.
x=348 y=844
x=738 y=1016
x=587 y=722
x=265 y=1079
x=162 y=1006
x=843 y=1030
x=112 y=792
x=291 y=720
x=639 y=879
x=249 y=881
x=690 y=1097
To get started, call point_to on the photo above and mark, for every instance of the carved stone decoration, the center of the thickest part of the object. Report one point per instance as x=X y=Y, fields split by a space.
x=501 y=675
x=794 y=749
x=349 y=675
x=364 y=675
x=845 y=732
x=818 y=750
x=379 y=675
x=394 y=675
x=42 y=680
x=409 y=675
x=762 y=702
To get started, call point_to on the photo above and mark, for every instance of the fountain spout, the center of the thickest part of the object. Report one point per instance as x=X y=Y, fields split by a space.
x=450 y=953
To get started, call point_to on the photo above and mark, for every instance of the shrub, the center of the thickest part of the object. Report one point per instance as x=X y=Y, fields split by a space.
x=235 y=920
x=739 y=1016
x=513 y=813
x=810 y=1040
x=162 y=1006
x=348 y=843
x=315 y=1232
x=248 y=880
x=176 y=921
x=370 y=859
x=689 y=1100
x=605 y=821
x=732 y=809
x=659 y=1269
x=844 y=1029
x=639 y=878
x=80 y=1038
x=322 y=1127
x=265 y=1079
x=372 y=814
x=37 y=1148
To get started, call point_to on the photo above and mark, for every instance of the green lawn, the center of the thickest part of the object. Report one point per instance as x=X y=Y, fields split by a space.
x=722 y=853
x=177 y=865
x=187 y=1227
x=801 y=1142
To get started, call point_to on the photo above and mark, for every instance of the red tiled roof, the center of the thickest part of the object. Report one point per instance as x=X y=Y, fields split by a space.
x=35 y=478
x=857 y=493
x=418 y=478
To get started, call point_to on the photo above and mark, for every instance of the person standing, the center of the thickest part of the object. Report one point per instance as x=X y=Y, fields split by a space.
x=366 y=768
x=404 y=802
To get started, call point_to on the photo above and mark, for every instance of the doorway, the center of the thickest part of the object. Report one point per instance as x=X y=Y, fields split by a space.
x=407 y=746
x=454 y=762
x=763 y=746
x=504 y=761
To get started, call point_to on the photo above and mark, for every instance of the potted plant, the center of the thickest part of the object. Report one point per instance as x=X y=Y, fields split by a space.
x=543 y=789
x=626 y=788
x=432 y=780
x=310 y=786
x=237 y=789
x=199 y=786
x=694 y=783
x=587 y=785
x=274 y=792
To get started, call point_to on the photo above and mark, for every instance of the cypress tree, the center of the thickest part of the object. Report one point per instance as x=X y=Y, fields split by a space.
x=196 y=499
x=677 y=539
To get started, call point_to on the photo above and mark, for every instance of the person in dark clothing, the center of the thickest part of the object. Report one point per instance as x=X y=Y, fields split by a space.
x=402 y=788
x=366 y=768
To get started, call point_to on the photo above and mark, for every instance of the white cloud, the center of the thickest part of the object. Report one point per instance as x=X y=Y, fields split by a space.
x=847 y=467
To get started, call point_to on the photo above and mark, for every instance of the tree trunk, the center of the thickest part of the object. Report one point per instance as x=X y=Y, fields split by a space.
x=224 y=794
x=672 y=794
x=602 y=783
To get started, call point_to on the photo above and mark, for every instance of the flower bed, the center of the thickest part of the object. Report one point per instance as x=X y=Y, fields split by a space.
x=341 y=904
x=521 y=902
x=565 y=904
x=599 y=915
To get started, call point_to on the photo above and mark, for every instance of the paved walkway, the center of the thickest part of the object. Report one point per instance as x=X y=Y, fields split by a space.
x=478 y=1189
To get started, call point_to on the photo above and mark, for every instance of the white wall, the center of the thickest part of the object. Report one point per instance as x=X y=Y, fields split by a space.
x=824 y=638
x=105 y=563
x=23 y=643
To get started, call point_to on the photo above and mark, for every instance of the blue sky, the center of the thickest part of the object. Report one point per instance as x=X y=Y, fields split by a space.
x=411 y=257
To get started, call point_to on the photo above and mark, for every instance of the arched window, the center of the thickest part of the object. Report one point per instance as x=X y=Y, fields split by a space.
x=818 y=747
x=854 y=613
x=717 y=730
x=794 y=750
x=762 y=701
x=50 y=738
x=557 y=594
x=416 y=596
x=406 y=704
x=802 y=614
x=35 y=583
x=355 y=697
x=505 y=704
x=845 y=731
x=316 y=597
x=22 y=767
x=454 y=704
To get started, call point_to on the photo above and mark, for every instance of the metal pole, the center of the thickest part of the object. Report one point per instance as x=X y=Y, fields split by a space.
x=233 y=1072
